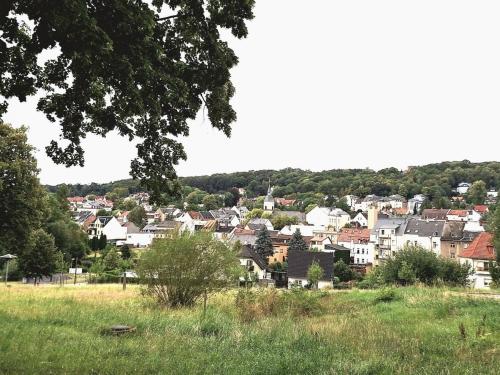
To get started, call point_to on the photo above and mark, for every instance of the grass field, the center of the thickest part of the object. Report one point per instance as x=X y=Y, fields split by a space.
x=52 y=330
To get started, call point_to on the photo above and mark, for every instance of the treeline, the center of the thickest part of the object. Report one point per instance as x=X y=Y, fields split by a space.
x=433 y=180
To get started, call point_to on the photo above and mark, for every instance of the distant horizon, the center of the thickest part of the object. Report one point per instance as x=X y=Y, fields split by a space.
x=278 y=169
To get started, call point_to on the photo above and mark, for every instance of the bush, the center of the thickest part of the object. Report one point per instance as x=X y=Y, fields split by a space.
x=386 y=295
x=179 y=271
x=415 y=263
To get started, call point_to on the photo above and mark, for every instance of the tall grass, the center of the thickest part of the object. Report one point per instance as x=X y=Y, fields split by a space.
x=59 y=330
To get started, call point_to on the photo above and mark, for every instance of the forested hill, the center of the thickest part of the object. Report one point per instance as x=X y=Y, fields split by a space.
x=434 y=180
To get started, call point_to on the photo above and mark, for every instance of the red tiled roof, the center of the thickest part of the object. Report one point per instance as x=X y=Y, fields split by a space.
x=480 y=248
x=481 y=208
x=195 y=215
x=75 y=199
x=461 y=213
x=355 y=235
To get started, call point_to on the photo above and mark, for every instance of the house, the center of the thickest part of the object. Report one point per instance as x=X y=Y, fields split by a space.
x=108 y=226
x=435 y=214
x=358 y=241
x=455 y=239
x=165 y=229
x=479 y=255
x=259 y=223
x=253 y=263
x=386 y=237
x=244 y=236
x=492 y=193
x=328 y=217
x=319 y=243
x=305 y=230
x=481 y=209
x=299 y=263
x=136 y=237
x=424 y=233
x=457 y=215
x=360 y=220
x=351 y=200
x=194 y=220
x=285 y=202
x=415 y=203
x=463 y=188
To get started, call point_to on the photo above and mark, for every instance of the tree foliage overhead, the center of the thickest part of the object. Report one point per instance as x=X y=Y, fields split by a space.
x=140 y=68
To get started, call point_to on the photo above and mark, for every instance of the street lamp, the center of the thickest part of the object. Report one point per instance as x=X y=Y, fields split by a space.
x=9 y=257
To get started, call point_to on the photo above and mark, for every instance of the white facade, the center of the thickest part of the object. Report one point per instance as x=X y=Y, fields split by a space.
x=326 y=217
x=481 y=278
x=360 y=220
x=305 y=230
x=463 y=187
x=430 y=243
x=361 y=253
x=139 y=239
x=302 y=282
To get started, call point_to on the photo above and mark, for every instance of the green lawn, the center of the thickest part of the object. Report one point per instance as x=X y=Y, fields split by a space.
x=52 y=330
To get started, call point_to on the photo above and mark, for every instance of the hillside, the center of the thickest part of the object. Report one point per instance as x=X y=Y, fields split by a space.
x=434 y=180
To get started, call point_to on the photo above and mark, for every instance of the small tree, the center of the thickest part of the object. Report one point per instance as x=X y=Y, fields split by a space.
x=314 y=274
x=297 y=242
x=112 y=259
x=60 y=265
x=343 y=271
x=263 y=244
x=137 y=216
x=39 y=258
x=179 y=271
x=406 y=273
x=126 y=252
x=103 y=241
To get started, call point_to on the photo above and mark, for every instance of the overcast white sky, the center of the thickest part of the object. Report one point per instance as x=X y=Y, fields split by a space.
x=326 y=84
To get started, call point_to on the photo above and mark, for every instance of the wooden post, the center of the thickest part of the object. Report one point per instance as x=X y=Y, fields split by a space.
x=205 y=303
x=76 y=262
x=124 y=280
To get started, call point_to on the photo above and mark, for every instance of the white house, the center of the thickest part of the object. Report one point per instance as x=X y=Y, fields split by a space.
x=492 y=193
x=386 y=237
x=253 y=263
x=108 y=226
x=299 y=263
x=358 y=241
x=478 y=255
x=328 y=217
x=360 y=220
x=305 y=230
x=140 y=239
x=463 y=188
x=269 y=200
x=424 y=233
x=258 y=223
x=351 y=200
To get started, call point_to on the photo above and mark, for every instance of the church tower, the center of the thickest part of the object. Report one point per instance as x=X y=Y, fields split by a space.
x=269 y=200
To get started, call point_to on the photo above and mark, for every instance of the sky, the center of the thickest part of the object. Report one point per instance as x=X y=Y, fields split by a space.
x=334 y=84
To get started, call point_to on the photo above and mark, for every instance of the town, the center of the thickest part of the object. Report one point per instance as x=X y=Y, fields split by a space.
x=362 y=232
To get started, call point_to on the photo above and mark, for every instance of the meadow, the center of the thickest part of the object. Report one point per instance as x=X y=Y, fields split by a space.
x=414 y=330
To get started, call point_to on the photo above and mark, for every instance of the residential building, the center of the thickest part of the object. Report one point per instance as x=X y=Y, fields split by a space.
x=108 y=226
x=299 y=263
x=360 y=220
x=424 y=233
x=386 y=238
x=358 y=241
x=479 y=255
x=328 y=217
x=253 y=264
x=455 y=239
x=435 y=214
x=463 y=188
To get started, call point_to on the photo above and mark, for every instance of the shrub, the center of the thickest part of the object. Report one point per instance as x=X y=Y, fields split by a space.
x=178 y=271
x=386 y=295
x=343 y=271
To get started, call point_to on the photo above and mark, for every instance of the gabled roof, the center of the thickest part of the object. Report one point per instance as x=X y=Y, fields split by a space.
x=104 y=219
x=435 y=213
x=481 y=208
x=354 y=235
x=247 y=252
x=460 y=213
x=480 y=248
x=300 y=261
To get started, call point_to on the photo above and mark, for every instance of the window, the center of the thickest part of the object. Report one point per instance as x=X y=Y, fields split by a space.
x=452 y=255
x=434 y=245
x=453 y=244
x=382 y=231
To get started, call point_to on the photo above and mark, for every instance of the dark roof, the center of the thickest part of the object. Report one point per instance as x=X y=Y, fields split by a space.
x=168 y=224
x=336 y=247
x=104 y=219
x=424 y=228
x=453 y=231
x=206 y=215
x=248 y=252
x=131 y=227
x=300 y=261
x=256 y=226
